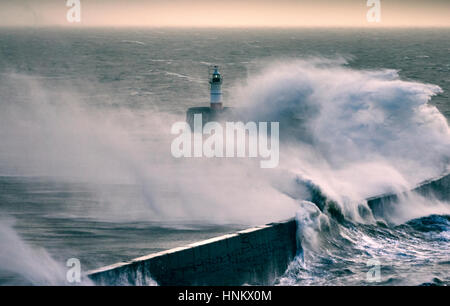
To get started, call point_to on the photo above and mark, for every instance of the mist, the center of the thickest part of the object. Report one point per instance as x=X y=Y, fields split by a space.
x=353 y=133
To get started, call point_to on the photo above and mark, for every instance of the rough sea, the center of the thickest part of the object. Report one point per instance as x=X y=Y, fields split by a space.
x=86 y=169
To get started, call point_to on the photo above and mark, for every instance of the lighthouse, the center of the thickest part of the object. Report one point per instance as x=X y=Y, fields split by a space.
x=215 y=82
x=216 y=111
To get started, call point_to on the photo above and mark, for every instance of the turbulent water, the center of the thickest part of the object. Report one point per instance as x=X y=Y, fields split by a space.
x=86 y=170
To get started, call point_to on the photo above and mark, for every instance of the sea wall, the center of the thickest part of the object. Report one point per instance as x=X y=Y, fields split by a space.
x=438 y=189
x=254 y=256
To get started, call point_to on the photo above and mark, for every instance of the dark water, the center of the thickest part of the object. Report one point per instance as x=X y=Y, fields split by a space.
x=68 y=192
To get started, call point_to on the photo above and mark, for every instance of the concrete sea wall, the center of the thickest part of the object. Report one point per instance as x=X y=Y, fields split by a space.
x=254 y=256
x=438 y=189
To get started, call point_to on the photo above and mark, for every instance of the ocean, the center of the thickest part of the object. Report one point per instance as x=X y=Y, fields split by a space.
x=86 y=169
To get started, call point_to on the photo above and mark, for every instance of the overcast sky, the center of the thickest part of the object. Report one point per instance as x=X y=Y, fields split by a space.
x=226 y=13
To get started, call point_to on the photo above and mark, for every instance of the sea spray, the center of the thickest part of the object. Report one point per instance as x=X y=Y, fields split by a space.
x=28 y=265
x=354 y=133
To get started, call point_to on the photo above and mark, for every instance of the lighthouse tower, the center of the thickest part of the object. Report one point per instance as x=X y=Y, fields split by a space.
x=216 y=89
x=216 y=111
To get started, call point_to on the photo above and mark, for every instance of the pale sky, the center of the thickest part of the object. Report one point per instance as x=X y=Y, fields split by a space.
x=226 y=13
